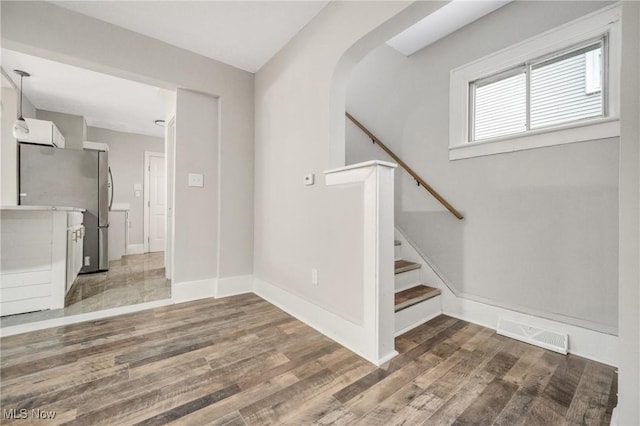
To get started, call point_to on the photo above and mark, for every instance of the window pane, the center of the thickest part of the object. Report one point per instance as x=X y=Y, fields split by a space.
x=567 y=89
x=500 y=107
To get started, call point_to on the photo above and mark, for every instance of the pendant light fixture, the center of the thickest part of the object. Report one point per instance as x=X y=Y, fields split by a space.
x=20 y=127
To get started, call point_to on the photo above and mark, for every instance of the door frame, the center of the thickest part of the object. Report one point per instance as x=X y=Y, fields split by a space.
x=169 y=170
x=147 y=196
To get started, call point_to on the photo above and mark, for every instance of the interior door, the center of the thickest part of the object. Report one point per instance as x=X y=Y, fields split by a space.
x=157 y=202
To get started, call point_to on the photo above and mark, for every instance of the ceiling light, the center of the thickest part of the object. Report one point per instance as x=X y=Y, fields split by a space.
x=159 y=123
x=20 y=127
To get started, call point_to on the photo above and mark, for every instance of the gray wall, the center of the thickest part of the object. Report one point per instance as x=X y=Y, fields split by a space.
x=34 y=28
x=196 y=227
x=73 y=127
x=540 y=233
x=126 y=159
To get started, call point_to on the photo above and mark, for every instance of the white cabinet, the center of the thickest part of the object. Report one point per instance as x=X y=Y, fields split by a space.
x=75 y=241
x=41 y=255
x=42 y=132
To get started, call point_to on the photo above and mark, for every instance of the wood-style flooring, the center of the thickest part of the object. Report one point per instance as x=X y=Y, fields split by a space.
x=241 y=360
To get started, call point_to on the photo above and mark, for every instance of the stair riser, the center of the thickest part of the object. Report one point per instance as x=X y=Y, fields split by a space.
x=407 y=280
x=415 y=315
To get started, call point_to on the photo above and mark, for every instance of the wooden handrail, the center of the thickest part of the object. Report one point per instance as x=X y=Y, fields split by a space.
x=404 y=165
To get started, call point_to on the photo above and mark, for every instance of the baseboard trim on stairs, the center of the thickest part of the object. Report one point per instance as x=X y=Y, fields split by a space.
x=344 y=332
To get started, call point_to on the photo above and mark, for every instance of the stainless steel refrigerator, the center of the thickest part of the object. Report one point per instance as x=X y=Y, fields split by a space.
x=72 y=178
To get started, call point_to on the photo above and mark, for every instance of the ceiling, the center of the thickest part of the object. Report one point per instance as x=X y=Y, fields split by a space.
x=444 y=21
x=245 y=34
x=104 y=101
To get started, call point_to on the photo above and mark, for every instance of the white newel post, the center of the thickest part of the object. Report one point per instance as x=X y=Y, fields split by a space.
x=378 y=273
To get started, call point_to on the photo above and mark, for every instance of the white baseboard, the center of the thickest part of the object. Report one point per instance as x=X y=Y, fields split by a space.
x=587 y=343
x=73 y=319
x=193 y=290
x=135 y=249
x=346 y=333
x=234 y=285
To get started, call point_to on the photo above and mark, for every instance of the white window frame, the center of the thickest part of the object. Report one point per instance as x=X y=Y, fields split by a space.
x=605 y=21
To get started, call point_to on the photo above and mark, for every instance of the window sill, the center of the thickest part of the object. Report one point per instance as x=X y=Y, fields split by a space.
x=601 y=129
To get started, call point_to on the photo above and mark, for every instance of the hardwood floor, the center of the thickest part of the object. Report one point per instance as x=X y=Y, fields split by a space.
x=240 y=360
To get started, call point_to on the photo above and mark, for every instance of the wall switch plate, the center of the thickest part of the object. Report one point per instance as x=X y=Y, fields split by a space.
x=196 y=180
x=314 y=276
x=137 y=187
x=308 y=179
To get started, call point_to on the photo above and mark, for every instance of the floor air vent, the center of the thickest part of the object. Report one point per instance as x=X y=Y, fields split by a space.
x=536 y=336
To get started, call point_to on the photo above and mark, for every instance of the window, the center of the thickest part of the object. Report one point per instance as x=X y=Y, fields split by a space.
x=559 y=87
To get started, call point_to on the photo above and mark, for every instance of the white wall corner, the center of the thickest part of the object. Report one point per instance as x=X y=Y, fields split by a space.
x=193 y=290
x=135 y=249
x=232 y=286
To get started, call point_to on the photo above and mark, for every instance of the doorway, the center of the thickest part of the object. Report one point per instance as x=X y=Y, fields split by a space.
x=155 y=201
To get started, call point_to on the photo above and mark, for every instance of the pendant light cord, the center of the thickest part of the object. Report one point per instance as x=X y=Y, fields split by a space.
x=21 y=77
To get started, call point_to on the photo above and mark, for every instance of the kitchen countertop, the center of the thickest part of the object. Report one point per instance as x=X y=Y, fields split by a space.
x=27 y=208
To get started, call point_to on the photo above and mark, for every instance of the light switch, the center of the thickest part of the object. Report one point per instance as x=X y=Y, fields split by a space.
x=196 y=179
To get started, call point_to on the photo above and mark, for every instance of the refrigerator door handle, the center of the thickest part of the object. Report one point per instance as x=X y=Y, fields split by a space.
x=112 y=188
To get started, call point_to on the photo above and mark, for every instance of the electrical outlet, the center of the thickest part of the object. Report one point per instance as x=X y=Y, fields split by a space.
x=87 y=260
x=314 y=276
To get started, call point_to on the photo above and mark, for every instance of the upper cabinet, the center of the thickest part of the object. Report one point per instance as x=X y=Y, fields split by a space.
x=42 y=132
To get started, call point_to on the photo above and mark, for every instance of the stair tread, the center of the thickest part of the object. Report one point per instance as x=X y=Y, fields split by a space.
x=405 y=265
x=396 y=242
x=414 y=295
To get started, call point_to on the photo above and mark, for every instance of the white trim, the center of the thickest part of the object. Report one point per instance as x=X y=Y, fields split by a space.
x=572 y=33
x=170 y=171
x=595 y=130
x=193 y=290
x=74 y=319
x=590 y=344
x=344 y=332
x=376 y=177
x=232 y=286
x=147 y=195
x=413 y=316
x=135 y=249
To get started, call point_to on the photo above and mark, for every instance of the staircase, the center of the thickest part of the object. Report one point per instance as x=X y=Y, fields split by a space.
x=415 y=302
